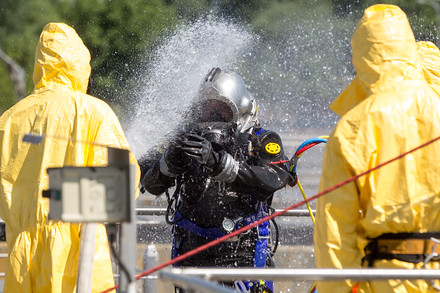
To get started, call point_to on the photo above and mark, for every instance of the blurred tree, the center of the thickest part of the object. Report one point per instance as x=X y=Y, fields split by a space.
x=422 y=14
x=238 y=10
x=344 y=8
x=190 y=10
x=119 y=35
x=243 y=10
x=7 y=95
x=17 y=75
x=21 y=22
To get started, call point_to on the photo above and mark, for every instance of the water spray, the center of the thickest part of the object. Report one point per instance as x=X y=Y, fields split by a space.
x=173 y=76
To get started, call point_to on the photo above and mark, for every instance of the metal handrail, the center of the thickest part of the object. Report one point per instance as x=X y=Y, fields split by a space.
x=188 y=282
x=161 y=211
x=223 y=274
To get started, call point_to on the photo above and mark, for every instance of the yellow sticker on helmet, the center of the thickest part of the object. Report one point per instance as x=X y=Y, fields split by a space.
x=273 y=148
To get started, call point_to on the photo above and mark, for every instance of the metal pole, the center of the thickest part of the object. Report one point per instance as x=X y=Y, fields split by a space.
x=85 y=259
x=128 y=237
x=128 y=256
x=151 y=260
x=120 y=157
x=161 y=211
x=223 y=274
x=17 y=74
x=192 y=283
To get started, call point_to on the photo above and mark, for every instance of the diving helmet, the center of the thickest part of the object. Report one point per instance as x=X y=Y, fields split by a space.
x=224 y=98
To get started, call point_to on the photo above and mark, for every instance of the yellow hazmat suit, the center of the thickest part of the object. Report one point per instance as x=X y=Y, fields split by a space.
x=388 y=109
x=430 y=55
x=43 y=255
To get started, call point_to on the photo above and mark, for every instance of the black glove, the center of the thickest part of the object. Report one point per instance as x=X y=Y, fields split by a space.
x=199 y=149
x=174 y=161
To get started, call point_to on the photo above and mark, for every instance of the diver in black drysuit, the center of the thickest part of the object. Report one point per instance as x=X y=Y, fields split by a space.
x=223 y=180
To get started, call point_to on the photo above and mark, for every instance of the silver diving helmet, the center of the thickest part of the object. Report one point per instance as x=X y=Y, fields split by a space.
x=223 y=98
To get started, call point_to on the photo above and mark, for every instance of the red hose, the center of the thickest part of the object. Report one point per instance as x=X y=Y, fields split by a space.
x=250 y=226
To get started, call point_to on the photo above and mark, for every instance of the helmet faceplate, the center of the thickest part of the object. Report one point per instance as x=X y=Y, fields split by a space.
x=223 y=97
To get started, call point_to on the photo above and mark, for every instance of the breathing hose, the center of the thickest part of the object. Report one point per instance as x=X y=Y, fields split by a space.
x=294 y=162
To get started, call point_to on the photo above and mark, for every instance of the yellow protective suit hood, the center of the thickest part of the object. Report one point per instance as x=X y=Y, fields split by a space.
x=395 y=46
x=388 y=109
x=43 y=255
x=356 y=91
x=61 y=58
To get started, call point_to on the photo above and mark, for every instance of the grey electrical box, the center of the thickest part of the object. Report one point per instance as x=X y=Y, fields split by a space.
x=92 y=194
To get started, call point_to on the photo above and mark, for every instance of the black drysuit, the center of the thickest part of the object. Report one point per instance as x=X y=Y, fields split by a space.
x=207 y=203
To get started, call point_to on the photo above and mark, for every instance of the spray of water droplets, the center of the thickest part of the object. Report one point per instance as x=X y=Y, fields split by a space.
x=174 y=74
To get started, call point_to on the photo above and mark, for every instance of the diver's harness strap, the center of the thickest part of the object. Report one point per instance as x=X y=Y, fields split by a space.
x=260 y=256
x=217 y=232
x=408 y=247
x=184 y=223
x=261 y=245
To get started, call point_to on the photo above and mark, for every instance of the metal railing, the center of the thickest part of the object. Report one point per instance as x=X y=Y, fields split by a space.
x=161 y=211
x=193 y=284
x=275 y=274
x=200 y=280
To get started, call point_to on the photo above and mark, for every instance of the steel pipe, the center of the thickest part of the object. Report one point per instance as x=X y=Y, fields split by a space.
x=193 y=283
x=161 y=211
x=275 y=274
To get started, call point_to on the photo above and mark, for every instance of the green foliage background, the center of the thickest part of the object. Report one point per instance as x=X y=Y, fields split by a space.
x=120 y=33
